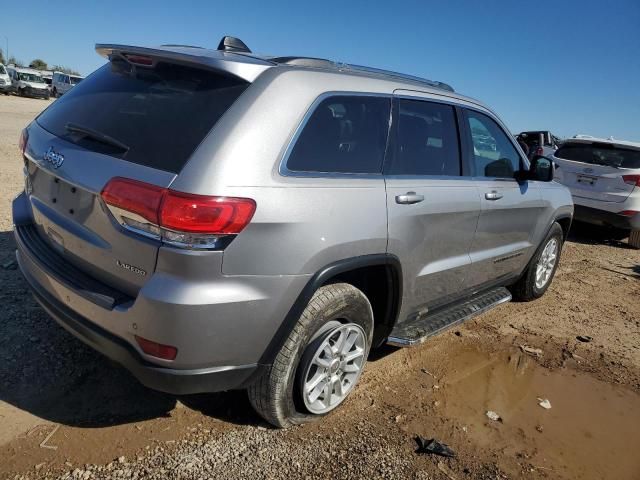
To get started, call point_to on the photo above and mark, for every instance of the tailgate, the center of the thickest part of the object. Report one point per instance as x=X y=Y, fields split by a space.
x=139 y=122
x=595 y=170
x=64 y=192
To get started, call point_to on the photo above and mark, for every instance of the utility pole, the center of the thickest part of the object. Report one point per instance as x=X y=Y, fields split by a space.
x=7 y=52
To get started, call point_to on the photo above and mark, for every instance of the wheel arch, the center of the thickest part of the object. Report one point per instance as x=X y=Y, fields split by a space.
x=564 y=221
x=355 y=271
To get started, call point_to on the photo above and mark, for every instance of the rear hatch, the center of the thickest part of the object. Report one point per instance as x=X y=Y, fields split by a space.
x=596 y=170
x=141 y=122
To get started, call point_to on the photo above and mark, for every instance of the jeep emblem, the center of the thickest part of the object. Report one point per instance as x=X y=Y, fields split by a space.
x=55 y=159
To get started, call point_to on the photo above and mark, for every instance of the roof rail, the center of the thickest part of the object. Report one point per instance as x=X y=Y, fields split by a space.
x=402 y=76
x=180 y=46
x=329 y=64
x=305 y=62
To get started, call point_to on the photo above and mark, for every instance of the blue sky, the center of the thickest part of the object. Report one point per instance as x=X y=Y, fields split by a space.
x=568 y=66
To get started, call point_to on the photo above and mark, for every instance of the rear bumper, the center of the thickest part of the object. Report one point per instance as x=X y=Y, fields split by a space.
x=168 y=380
x=604 y=218
x=221 y=325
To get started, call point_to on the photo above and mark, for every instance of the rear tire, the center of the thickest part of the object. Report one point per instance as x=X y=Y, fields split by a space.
x=634 y=239
x=278 y=395
x=540 y=272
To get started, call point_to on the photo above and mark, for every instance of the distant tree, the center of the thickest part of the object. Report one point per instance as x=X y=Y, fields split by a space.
x=38 y=64
x=15 y=61
x=1 y=56
x=63 y=69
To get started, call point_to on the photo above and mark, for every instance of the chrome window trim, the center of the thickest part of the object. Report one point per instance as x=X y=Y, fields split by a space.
x=284 y=171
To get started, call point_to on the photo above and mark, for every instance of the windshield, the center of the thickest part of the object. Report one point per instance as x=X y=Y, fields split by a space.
x=75 y=80
x=600 y=154
x=30 y=77
x=2 y=70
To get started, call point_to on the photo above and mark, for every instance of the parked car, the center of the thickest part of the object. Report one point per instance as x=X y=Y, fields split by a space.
x=27 y=82
x=261 y=223
x=5 y=81
x=47 y=76
x=604 y=178
x=63 y=82
x=539 y=142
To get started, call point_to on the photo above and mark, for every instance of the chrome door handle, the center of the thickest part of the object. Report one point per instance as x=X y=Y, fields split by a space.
x=409 y=198
x=493 y=195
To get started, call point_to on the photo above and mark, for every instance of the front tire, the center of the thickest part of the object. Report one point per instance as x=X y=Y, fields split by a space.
x=542 y=268
x=321 y=360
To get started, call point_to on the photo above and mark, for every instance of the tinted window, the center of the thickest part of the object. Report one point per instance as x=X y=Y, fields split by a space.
x=344 y=134
x=160 y=114
x=600 y=154
x=427 y=140
x=493 y=154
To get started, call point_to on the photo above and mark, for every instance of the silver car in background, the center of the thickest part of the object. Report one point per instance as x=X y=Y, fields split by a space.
x=215 y=220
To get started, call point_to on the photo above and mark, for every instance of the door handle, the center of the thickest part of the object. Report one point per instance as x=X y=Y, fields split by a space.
x=493 y=195
x=409 y=198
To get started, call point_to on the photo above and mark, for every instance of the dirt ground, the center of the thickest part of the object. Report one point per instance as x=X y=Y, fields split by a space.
x=67 y=412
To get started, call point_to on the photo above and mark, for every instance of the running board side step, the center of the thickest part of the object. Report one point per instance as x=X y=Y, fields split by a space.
x=415 y=332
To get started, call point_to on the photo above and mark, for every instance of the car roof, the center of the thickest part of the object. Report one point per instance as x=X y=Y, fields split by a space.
x=28 y=70
x=248 y=66
x=611 y=141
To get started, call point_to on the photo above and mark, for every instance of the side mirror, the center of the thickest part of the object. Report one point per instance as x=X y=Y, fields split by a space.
x=542 y=169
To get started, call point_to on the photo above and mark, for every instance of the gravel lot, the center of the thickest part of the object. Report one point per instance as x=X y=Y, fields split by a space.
x=67 y=412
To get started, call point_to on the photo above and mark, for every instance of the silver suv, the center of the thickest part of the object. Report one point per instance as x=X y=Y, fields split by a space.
x=215 y=220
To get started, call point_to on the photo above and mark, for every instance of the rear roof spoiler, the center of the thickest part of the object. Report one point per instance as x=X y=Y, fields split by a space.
x=242 y=66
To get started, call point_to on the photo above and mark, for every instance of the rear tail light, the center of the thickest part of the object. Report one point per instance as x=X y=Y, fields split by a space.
x=632 y=180
x=158 y=350
x=24 y=139
x=181 y=219
x=627 y=213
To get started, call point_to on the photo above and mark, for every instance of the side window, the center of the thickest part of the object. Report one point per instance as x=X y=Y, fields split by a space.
x=344 y=134
x=427 y=141
x=493 y=154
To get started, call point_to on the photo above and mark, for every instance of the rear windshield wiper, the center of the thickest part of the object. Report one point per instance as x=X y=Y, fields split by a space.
x=96 y=136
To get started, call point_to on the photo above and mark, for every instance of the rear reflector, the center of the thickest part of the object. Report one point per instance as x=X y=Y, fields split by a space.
x=24 y=138
x=158 y=350
x=182 y=219
x=632 y=180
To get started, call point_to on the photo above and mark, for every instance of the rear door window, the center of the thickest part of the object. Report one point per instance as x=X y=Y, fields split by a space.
x=600 y=154
x=157 y=116
x=344 y=134
x=493 y=154
x=427 y=140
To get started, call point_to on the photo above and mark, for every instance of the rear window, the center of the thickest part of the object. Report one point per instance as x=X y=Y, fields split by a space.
x=600 y=154
x=345 y=134
x=154 y=117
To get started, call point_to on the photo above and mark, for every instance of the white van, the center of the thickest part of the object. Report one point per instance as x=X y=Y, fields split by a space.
x=28 y=82
x=63 y=82
x=5 y=80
